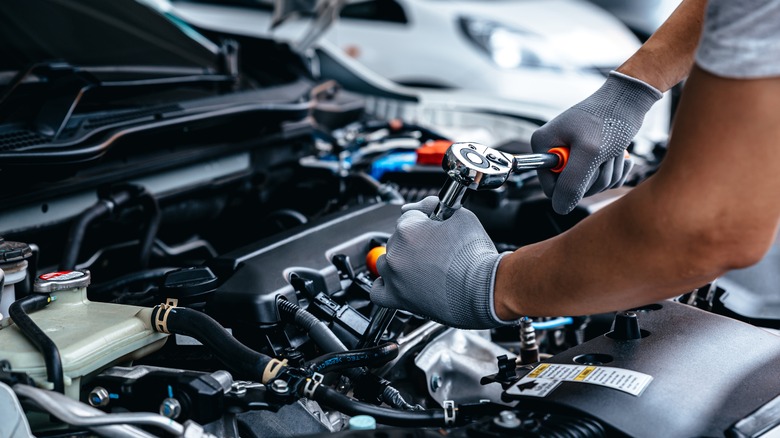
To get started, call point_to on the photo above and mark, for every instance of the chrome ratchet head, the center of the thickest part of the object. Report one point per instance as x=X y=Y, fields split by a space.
x=470 y=166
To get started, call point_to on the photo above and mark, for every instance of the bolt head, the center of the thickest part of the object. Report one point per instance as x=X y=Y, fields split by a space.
x=435 y=382
x=279 y=386
x=98 y=397
x=507 y=419
x=171 y=408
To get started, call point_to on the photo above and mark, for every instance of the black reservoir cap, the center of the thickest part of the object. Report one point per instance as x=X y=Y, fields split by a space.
x=189 y=284
x=11 y=252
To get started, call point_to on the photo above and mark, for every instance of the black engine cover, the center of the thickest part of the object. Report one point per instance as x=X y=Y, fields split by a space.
x=258 y=273
x=708 y=372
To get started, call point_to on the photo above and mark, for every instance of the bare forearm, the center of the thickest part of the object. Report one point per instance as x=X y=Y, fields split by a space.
x=711 y=207
x=667 y=57
x=615 y=259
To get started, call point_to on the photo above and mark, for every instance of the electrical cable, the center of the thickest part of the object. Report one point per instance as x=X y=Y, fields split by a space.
x=19 y=312
x=391 y=417
x=317 y=330
x=328 y=341
x=553 y=323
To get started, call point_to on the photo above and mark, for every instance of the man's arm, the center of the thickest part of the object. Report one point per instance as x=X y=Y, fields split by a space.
x=713 y=206
x=667 y=57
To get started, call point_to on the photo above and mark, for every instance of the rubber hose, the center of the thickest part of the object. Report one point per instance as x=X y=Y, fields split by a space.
x=327 y=341
x=19 y=312
x=385 y=191
x=79 y=229
x=238 y=357
x=152 y=210
x=372 y=356
x=317 y=330
x=391 y=417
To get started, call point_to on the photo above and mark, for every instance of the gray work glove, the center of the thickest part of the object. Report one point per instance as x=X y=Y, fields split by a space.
x=441 y=270
x=597 y=130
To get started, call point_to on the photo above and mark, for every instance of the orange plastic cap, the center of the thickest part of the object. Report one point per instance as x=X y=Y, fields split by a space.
x=372 y=257
x=432 y=152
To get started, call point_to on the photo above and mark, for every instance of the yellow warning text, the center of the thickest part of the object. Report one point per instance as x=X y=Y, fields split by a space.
x=539 y=370
x=584 y=374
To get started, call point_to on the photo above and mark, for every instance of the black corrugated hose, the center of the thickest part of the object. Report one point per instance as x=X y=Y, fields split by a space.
x=238 y=357
x=371 y=356
x=328 y=341
x=19 y=311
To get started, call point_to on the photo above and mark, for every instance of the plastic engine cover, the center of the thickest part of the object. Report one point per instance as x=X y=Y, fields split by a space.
x=708 y=372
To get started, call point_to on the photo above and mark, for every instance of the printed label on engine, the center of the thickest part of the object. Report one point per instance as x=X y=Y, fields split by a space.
x=547 y=376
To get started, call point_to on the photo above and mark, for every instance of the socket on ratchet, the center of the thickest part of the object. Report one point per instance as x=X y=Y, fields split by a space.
x=472 y=166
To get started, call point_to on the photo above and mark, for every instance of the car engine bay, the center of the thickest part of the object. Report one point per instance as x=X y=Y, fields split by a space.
x=191 y=254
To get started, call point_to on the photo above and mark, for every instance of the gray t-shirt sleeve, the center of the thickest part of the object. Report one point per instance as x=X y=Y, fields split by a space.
x=741 y=39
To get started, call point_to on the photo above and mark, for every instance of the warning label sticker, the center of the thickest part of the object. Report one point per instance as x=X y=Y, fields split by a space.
x=547 y=376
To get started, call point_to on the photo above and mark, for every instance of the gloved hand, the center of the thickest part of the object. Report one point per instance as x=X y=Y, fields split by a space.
x=597 y=132
x=442 y=270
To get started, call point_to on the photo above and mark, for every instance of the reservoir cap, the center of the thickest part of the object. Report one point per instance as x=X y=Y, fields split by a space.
x=11 y=252
x=61 y=280
x=362 y=422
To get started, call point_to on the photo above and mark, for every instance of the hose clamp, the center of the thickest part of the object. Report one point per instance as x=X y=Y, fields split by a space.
x=312 y=384
x=161 y=321
x=272 y=369
x=449 y=412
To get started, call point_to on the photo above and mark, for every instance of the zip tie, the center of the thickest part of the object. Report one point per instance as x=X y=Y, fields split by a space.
x=272 y=369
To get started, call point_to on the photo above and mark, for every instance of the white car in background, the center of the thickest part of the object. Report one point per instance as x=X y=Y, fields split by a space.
x=548 y=53
x=642 y=17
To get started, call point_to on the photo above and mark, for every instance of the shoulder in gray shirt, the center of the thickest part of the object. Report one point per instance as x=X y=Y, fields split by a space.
x=741 y=39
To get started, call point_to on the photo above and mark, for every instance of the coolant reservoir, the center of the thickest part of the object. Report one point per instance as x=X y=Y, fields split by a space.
x=90 y=335
x=13 y=270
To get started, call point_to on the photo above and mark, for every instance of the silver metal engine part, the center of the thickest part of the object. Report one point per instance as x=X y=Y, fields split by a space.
x=455 y=362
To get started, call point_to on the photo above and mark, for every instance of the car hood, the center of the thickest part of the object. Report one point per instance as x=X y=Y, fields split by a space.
x=581 y=34
x=98 y=33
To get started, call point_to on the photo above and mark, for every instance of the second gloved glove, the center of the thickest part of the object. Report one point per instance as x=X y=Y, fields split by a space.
x=597 y=130
x=442 y=270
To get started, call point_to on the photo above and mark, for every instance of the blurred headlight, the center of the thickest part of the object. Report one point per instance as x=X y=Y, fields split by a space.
x=508 y=47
